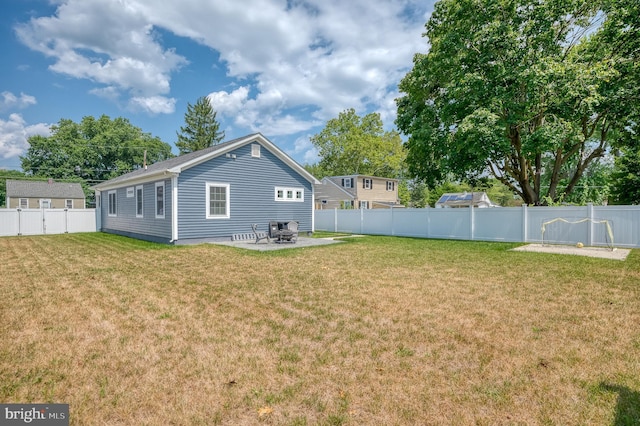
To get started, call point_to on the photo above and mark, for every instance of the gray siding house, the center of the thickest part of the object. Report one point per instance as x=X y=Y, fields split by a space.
x=208 y=194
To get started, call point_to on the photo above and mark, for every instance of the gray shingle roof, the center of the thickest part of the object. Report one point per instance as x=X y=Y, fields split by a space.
x=186 y=159
x=39 y=189
x=171 y=162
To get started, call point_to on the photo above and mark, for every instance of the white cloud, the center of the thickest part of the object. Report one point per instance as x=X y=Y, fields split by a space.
x=14 y=134
x=297 y=63
x=10 y=101
x=229 y=104
x=303 y=148
x=106 y=42
x=153 y=104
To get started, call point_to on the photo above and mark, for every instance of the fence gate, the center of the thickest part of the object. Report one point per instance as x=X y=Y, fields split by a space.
x=46 y=221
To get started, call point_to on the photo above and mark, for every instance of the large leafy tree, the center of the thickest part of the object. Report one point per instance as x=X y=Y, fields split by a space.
x=201 y=129
x=351 y=144
x=4 y=176
x=520 y=89
x=625 y=180
x=93 y=150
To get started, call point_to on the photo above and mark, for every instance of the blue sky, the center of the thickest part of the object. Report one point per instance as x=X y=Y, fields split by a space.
x=279 y=67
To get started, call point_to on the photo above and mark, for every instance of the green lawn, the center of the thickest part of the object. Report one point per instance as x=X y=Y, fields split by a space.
x=376 y=330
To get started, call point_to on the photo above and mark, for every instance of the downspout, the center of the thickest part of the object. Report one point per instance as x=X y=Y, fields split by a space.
x=97 y=195
x=174 y=208
x=313 y=208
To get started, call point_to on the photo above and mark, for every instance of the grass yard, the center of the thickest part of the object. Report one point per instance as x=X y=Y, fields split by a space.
x=377 y=330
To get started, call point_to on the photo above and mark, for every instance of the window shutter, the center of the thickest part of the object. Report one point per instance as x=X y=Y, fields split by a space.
x=364 y=183
x=343 y=182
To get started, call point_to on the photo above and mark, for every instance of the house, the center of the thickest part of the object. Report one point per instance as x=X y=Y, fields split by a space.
x=465 y=199
x=31 y=194
x=209 y=194
x=356 y=191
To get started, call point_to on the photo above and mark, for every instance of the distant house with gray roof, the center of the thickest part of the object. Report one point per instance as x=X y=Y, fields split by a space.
x=465 y=199
x=32 y=194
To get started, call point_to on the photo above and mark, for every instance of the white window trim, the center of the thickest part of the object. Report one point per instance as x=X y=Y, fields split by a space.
x=255 y=150
x=43 y=201
x=20 y=203
x=346 y=182
x=364 y=205
x=141 y=188
x=115 y=204
x=391 y=185
x=227 y=188
x=164 y=200
x=367 y=183
x=66 y=203
x=292 y=195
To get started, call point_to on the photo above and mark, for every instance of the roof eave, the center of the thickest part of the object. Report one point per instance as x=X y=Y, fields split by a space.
x=153 y=176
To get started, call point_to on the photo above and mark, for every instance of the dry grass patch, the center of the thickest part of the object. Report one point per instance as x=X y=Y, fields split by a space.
x=375 y=330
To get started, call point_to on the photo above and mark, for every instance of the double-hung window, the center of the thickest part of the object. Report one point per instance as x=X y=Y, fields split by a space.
x=24 y=203
x=367 y=183
x=159 y=200
x=112 y=203
x=68 y=204
x=217 y=198
x=139 y=201
x=391 y=185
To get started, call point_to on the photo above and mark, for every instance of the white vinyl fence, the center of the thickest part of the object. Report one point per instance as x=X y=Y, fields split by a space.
x=46 y=221
x=591 y=225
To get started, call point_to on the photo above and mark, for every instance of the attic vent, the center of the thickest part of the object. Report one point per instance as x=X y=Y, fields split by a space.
x=255 y=150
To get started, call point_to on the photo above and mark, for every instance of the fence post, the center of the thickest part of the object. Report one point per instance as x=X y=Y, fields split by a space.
x=525 y=223
x=590 y=227
x=428 y=210
x=335 y=219
x=393 y=231
x=472 y=223
x=361 y=219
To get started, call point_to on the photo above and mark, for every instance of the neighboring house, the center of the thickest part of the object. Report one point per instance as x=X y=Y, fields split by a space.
x=208 y=194
x=465 y=199
x=356 y=191
x=31 y=194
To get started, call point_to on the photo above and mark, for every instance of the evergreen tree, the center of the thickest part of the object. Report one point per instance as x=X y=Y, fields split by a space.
x=201 y=129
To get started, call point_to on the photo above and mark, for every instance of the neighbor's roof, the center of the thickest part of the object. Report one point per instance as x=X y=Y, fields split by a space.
x=43 y=189
x=178 y=164
x=463 y=199
x=364 y=176
x=328 y=189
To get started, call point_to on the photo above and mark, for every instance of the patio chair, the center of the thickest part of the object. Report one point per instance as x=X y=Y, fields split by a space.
x=260 y=235
x=293 y=228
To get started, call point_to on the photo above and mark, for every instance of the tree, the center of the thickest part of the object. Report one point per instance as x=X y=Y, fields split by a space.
x=625 y=181
x=4 y=175
x=201 y=129
x=521 y=88
x=92 y=150
x=350 y=145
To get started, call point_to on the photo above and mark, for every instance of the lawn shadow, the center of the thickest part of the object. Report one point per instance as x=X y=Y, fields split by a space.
x=628 y=406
